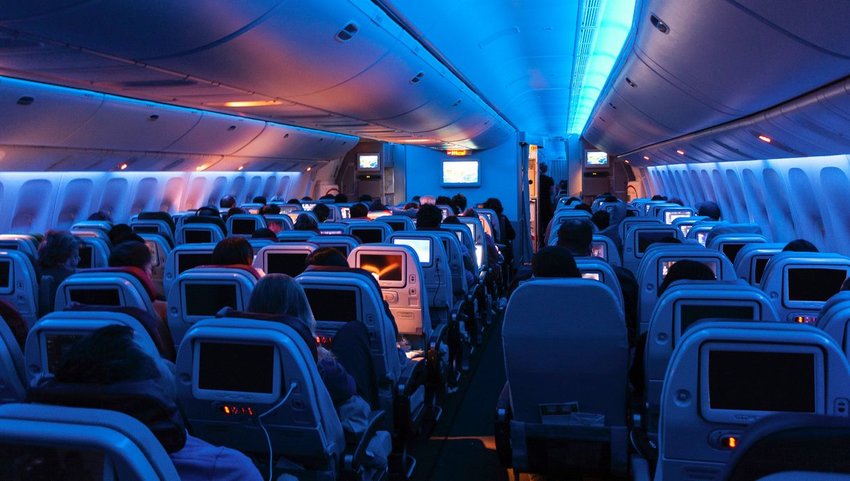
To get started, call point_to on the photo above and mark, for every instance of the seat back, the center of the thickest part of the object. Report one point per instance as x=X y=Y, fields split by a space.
x=699 y=231
x=752 y=259
x=799 y=283
x=252 y=208
x=201 y=292
x=731 y=244
x=434 y=261
x=464 y=236
x=18 y=284
x=493 y=220
x=725 y=376
x=333 y=228
x=639 y=238
x=232 y=370
x=669 y=213
x=604 y=248
x=153 y=226
x=289 y=258
x=19 y=242
x=631 y=222
x=685 y=224
x=92 y=225
x=158 y=215
x=295 y=213
x=398 y=222
x=370 y=232
x=243 y=225
x=343 y=243
x=834 y=319
x=68 y=440
x=401 y=277
x=477 y=231
x=113 y=286
x=160 y=248
x=199 y=232
x=599 y=270
x=12 y=370
x=659 y=259
x=94 y=253
x=185 y=257
x=54 y=334
x=295 y=235
x=281 y=219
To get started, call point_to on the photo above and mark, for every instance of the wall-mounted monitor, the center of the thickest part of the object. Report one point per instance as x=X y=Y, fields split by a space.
x=368 y=163
x=594 y=159
x=461 y=173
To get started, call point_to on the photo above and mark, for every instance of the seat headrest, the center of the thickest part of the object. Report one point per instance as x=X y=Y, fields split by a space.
x=163 y=216
x=134 y=271
x=202 y=219
x=239 y=267
x=154 y=326
x=296 y=324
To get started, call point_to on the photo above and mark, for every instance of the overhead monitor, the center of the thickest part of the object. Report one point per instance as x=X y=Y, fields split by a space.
x=368 y=235
x=368 y=162
x=645 y=238
x=95 y=296
x=671 y=215
x=193 y=236
x=246 y=372
x=332 y=305
x=740 y=384
x=186 y=261
x=206 y=299
x=688 y=314
x=422 y=247
x=461 y=173
x=388 y=269
x=7 y=283
x=243 y=226
x=289 y=263
x=86 y=257
x=595 y=159
x=731 y=250
x=813 y=284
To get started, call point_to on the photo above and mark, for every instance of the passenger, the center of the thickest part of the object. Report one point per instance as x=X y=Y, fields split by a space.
x=428 y=218
x=264 y=233
x=322 y=212
x=327 y=197
x=209 y=212
x=270 y=209
x=545 y=209
x=659 y=197
x=411 y=206
x=235 y=211
x=709 y=209
x=377 y=206
x=100 y=216
x=601 y=219
x=259 y=200
x=576 y=236
x=294 y=201
x=227 y=202
x=305 y=222
x=122 y=233
x=800 y=245
x=686 y=269
x=676 y=200
x=233 y=251
x=554 y=261
x=110 y=357
x=468 y=262
x=307 y=198
x=584 y=207
x=359 y=211
x=16 y=323
x=340 y=199
x=459 y=201
x=58 y=256
x=136 y=254
x=426 y=199
x=505 y=228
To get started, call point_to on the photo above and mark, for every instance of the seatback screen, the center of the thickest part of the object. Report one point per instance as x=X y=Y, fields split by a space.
x=332 y=305
x=691 y=313
x=647 y=238
x=187 y=261
x=290 y=264
x=598 y=250
x=57 y=346
x=207 y=299
x=761 y=381
x=146 y=229
x=814 y=284
x=5 y=275
x=368 y=236
x=731 y=251
x=385 y=267
x=422 y=247
x=197 y=236
x=85 y=253
x=95 y=297
x=243 y=226
x=232 y=367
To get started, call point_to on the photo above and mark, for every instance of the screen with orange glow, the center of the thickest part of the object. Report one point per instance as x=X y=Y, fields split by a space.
x=386 y=267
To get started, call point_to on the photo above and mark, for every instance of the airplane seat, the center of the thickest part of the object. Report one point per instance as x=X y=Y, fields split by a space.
x=799 y=283
x=723 y=228
x=731 y=244
x=94 y=253
x=602 y=247
x=244 y=225
x=160 y=248
x=200 y=230
x=368 y=232
x=257 y=244
x=154 y=226
x=668 y=214
x=477 y=231
x=725 y=376
x=640 y=237
x=631 y=222
x=699 y=231
x=598 y=270
x=398 y=222
x=655 y=210
x=333 y=228
x=659 y=258
x=54 y=334
x=185 y=257
x=282 y=220
x=104 y=441
x=293 y=215
x=289 y=258
x=493 y=220
x=685 y=224
x=801 y=446
x=295 y=235
x=834 y=319
x=571 y=415
x=101 y=226
x=343 y=243
x=562 y=216
x=19 y=242
x=13 y=373
x=159 y=215
x=110 y=286
x=253 y=208
x=683 y=304
x=433 y=258
x=201 y=292
x=753 y=258
x=19 y=284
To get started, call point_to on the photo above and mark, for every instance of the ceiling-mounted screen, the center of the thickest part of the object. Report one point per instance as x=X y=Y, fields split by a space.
x=368 y=162
x=461 y=173
x=595 y=160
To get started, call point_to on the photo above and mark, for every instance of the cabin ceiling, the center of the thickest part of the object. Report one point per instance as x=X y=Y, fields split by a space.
x=724 y=73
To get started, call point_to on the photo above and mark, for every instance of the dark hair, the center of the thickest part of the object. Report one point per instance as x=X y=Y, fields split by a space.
x=233 y=251
x=322 y=212
x=377 y=205
x=459 y=201
x=272 y=209
x=709 y=209
x=259 y=200
x=364 y=198
x=658 y=197
x=123 y=233
x=130 y=254
x=208 y=211
x=429 y=217
x=340 y=198
x=281 y=294
x=100 y=215
x=602 y=219
x=583 y=207
x=443 y=200
x=327 y=257
x=235 y=210
x=305 y=222
x=327 y=197
x=686 y=269
x=800 y=245
x=610 y=198
x=307 y=198
x=227 y=202
x=452 y=219
x=107 y=356
x=494 y=204
x=576 y=235
x=56 y=248
x=676 y=200
x=554 y=261
x=358 y=211
x=264 y=233
x=411 y=205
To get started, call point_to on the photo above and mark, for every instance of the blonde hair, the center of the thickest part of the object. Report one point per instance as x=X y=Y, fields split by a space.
x=281 y=294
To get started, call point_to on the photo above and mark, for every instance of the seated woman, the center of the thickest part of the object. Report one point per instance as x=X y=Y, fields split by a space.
x=305 y=222
x=136 y=254
x=58 y=256
x=235 y=252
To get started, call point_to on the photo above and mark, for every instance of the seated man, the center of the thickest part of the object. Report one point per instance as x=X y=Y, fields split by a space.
x=554 y=261
x=428 y=218
x=110 y=358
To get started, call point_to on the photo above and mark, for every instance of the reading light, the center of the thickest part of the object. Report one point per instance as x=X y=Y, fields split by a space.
x=309 y=169
x=246 y=103
x=645 y=157
x=123 y=166
x=626 y=161
x=240 y=167
x=765 y=138
x=730 y=442
x=201 y=167
x=680 y=151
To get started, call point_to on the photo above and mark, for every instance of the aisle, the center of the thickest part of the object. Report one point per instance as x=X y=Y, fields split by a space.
x=461 y=446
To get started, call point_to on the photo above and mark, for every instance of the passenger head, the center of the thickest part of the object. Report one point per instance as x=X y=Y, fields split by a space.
x=259 y=200
x=340 y=198
x=322 y=212
x=676 y=200
x=601 y=218
x=583 y=207
x=576 y=236
x=686 y=269
x=429 y=217
x=452 y=219
x=554 y=261
x=227 y=202
x=459 y=201
x=109 y=355
x=494 y=204
x=327 y=257
x=377 y=205
x=426 y=199
x=132 y=254
x=709 y=209
x=123 y=233
x=279 y=294
x=59 y=249
x=274 y=225
x=293 y=201
x=307 y=198
x=207 y=211
x=359 y=211
x=264 y=233
x=305 y=222
x=800 y=245
x=443 y=200
x=272 y=209
x=233 y=251
x=100 y=215
x=658 y=197
x=611 y=198
x=543 y=168
x=235 y=210
x=366 y=198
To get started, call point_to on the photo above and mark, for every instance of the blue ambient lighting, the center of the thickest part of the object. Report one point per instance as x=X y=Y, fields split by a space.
x=606 y=25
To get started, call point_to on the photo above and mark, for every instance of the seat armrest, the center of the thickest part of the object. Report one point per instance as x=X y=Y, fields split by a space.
x=412 y=376
x=438 y=338
x=354 y=459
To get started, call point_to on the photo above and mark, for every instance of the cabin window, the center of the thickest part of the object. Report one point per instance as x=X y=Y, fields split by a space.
x=268 y=190
x=835 y=185
x=737 y=193
x=781 y=221
x=113 y=196
x=697 y=187
x=807 y=207
x=253 y=188
x=173 y=192
x=283 y=187
x=723 y=194
x=217 y=192
x=145 y=196
x=755 y=195
x=710 y=194
x=75 y=200
x=30 y=213
x=196 y=193
x=237 y=187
